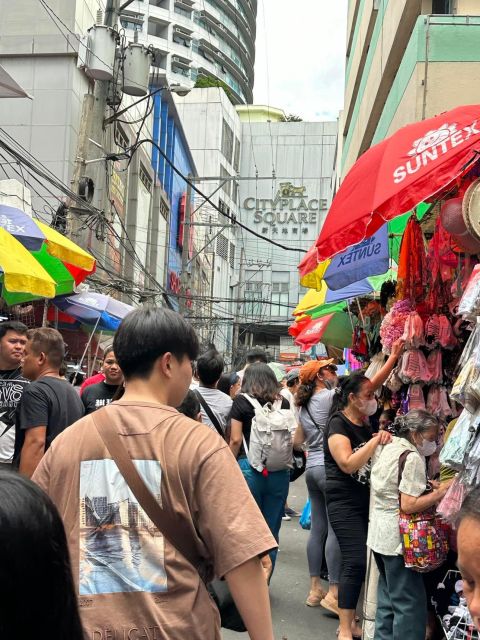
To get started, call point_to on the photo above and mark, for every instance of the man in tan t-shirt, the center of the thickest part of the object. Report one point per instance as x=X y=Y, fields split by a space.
x=132 y=584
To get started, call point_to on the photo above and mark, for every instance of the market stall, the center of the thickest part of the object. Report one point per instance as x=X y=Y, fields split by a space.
x=431 y=298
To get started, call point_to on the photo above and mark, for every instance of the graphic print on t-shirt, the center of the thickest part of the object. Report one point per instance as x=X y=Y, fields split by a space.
x=121 y=550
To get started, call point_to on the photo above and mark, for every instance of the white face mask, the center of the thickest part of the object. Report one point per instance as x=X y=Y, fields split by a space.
x=427 y=448
x=370 y=407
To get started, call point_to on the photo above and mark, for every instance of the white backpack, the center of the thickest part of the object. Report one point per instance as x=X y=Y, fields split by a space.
x=271 y=436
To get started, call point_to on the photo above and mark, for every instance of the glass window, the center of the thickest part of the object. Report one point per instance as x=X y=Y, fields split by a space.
x=442 y=6
x=227 y=141
x=280 y=293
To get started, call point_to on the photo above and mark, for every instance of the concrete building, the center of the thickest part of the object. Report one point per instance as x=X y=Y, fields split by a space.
x=138 y=251
x=407 y=60
x=287 y=203
x=212 y=38
x=213 y=131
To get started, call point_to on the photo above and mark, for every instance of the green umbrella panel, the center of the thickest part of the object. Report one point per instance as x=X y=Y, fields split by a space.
x=64 y=281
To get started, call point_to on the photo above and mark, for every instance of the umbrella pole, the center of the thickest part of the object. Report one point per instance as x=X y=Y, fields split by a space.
x=45 y=313
x=363 y=320
x=350 y=315
x=96 y=354
x=85 y=351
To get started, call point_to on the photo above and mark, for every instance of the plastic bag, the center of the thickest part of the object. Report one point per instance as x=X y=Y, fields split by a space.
x=462 y=387
x=452 y=501
x=375 y=365
x=306 y=517
x=470 y=303
x=453 y=453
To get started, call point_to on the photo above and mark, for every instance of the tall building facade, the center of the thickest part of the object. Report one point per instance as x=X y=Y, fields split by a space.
x=407 y=60
x=214 y=132
x=192 y=38
x=285 y=192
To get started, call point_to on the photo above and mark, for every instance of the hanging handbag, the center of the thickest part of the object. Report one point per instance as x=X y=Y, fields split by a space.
x=218 y=589
x=424 y=535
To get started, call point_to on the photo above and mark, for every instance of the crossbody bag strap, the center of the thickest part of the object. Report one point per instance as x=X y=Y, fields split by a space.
x=210 y=414
x=311 y=417
x=401 y=466
x=136 y=484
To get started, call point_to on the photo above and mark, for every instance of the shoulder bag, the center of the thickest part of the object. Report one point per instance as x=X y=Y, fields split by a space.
x=424 y=535
x=218 y=589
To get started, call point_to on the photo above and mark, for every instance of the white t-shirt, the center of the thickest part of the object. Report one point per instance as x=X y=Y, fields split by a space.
x=286 y=393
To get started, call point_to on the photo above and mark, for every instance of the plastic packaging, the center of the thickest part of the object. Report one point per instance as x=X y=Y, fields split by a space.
x=453 y=453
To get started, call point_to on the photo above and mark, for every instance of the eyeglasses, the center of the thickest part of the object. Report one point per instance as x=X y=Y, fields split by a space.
x=331 y=367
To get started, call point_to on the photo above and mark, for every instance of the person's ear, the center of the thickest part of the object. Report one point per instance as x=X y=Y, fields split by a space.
x=165 y=364
x=42 y=358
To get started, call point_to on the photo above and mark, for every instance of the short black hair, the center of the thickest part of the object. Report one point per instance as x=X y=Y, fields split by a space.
x=190 y=406
x=13 y=325
x=108 y=350
x=210 y=367
x=146 y=334
x=470 y=507
x=50 y=342
x=33 y=548
x=227 y=380
x=257 y=355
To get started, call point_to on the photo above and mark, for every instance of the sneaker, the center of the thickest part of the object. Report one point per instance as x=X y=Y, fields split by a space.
x=286 y=517
x=292 y=513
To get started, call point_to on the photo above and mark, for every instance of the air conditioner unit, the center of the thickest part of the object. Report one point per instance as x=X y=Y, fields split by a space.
x=183 y=32
x=181 y=61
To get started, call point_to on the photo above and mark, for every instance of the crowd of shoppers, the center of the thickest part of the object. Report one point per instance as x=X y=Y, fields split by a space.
x=223 y=503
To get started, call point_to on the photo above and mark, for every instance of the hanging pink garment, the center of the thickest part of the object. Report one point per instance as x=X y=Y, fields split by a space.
x=446 y=337
x=414 y=367
x=416 y=399
x=432 y=331
x=434 y=364
x=437 y=402
x=413 y=334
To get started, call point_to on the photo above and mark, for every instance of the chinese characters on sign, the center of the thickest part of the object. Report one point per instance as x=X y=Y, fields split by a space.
x=290 y=210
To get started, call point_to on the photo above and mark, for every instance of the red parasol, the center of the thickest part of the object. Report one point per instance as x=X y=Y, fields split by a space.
x=413 y=165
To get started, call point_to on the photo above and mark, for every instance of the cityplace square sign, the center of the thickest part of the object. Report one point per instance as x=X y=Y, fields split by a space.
x=291 y=206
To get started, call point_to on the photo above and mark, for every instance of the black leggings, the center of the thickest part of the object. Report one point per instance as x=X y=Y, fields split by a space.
x=349 y=520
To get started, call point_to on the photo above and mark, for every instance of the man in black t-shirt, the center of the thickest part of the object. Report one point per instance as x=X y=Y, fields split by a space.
x=99 y=395
x=13 y=338
x=49 y=404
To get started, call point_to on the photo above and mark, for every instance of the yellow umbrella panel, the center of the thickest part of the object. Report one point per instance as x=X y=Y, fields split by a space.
x=21 y=272
x=65 y=250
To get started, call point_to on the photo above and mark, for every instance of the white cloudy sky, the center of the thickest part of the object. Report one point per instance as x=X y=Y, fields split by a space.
x=300 y=56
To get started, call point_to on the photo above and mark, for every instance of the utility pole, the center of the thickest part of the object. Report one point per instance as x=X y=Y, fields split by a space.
x=238 y=310
x=186 y=277
x=91 y=143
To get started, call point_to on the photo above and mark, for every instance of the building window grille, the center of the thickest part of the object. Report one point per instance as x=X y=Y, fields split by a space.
x=145 y=178
x=232 y=255
x=222 y=247
x=120 y=137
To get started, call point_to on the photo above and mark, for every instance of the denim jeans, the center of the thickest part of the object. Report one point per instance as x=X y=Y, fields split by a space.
x=270 y=493
x=402 y=602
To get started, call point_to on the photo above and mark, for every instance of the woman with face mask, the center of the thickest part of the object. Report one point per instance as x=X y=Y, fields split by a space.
x=348 y=448
x=402 y=602
x=314 y=397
